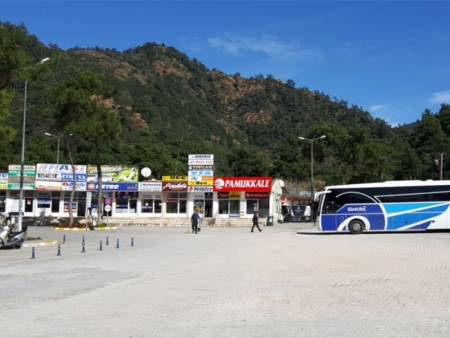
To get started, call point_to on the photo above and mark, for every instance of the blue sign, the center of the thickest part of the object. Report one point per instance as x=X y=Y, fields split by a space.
x=113 y=186
x=69 y=177
x=200 y=167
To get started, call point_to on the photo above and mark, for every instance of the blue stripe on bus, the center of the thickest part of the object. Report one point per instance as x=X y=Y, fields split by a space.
x=404 y=207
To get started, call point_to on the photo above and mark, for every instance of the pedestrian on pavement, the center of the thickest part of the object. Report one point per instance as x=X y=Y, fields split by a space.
x=194 y=220
x=255 y=221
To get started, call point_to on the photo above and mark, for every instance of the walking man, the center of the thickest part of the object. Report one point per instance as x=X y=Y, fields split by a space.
x=194 y=220
x=255 y=221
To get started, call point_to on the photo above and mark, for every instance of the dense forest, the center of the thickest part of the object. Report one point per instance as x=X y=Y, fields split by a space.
x=153 y=105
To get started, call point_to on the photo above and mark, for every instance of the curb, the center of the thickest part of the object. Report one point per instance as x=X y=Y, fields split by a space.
x=82 y=229
x=46 y=243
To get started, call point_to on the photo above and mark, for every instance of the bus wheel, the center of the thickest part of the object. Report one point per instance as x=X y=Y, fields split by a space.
x=356 y=226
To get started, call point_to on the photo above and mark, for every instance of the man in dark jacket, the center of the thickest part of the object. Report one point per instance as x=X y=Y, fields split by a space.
x=255 y=221
x=195 y=219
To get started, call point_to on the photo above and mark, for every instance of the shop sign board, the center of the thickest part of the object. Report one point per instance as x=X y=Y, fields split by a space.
x=286 y=199
x=235 y=195
x=201 y=162
x=223 y=195
x=150 y=186
x=257 y=195
x=247 y=184
x=113 y=186
x=200 y=183
x=3 y=181
x=174 y=186
x=200 y=173
x=124 y=194
x=209 y=167
x=201 y=157
x=29 y=175
x=200 y=188
x=174 y=178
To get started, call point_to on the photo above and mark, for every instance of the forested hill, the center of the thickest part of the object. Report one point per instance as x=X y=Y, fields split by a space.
x=169 y=105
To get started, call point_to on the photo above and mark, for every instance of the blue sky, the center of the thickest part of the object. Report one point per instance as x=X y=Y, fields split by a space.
x=392 y=58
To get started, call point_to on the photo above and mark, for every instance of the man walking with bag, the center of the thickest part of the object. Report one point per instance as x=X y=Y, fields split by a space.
x=255 y=221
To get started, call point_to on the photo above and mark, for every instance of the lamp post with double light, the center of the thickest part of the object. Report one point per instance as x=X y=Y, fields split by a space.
x=22 y=158
x=58 y=137
x=312 y=158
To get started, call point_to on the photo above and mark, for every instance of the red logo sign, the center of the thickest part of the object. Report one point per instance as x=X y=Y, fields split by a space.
x=258 y=184
x=174 y=186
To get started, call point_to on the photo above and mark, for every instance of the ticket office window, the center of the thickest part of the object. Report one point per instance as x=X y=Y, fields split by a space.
x=230 y=207
x=126 y=202
x=252 y=206
x=176 y=203
x=151 y=206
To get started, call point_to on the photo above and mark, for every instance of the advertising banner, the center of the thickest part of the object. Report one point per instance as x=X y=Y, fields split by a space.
x=47 y=185
x=201 y=162
x=235 y=195
x=175 y=186
x=3 y=181
x=113 y=173
x=113 y=186
x=60 y=177
x=29 y=175
x=150 y=186
x=174 y=178
x=68 y=186
x=223 y=195
x=248 y=184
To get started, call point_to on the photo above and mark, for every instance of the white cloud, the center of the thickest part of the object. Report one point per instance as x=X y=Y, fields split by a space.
x=441 y=97
x=379 y=107
x=267 y=44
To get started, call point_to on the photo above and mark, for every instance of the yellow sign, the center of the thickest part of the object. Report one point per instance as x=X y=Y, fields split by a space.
x=174 y=178
x=200 y=183
x=235 y=195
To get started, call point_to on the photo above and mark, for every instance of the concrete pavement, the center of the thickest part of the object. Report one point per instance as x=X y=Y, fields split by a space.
x=287 y=281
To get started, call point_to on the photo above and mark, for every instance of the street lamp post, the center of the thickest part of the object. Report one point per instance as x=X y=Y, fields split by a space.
x=312 y=158
x=22 y=158
x=58 y=137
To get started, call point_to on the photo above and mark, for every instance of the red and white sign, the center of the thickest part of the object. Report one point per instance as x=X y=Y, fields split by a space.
x=286 y=199
x=174 y=186
x=257 y=195
x=250 y=184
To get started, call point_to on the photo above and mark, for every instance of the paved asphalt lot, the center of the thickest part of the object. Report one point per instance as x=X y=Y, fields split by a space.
x=288 y=281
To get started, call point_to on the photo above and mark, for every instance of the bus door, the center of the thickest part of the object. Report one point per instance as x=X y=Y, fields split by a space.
x=328 y=217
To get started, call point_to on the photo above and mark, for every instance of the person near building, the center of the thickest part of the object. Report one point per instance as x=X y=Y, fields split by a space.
x=255 y=221
x=195 y=218
x=5 y=216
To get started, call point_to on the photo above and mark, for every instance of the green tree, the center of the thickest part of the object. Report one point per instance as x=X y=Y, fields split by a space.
x=82 y=101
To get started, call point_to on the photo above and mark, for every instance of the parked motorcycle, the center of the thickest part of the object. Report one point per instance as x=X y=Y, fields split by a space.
x=10 y=239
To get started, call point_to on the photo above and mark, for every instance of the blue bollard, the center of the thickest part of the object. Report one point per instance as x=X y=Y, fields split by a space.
x=64 y=239
x=33 y=256
x=107 y=240
x=132 y=241
x=83 y=249
x=101 y=248
x=118 y=246
x=59 y=250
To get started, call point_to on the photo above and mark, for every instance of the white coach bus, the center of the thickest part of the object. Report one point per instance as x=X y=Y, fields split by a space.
x=386 y=206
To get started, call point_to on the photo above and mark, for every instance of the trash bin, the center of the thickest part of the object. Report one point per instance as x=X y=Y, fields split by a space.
x=269 y=220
